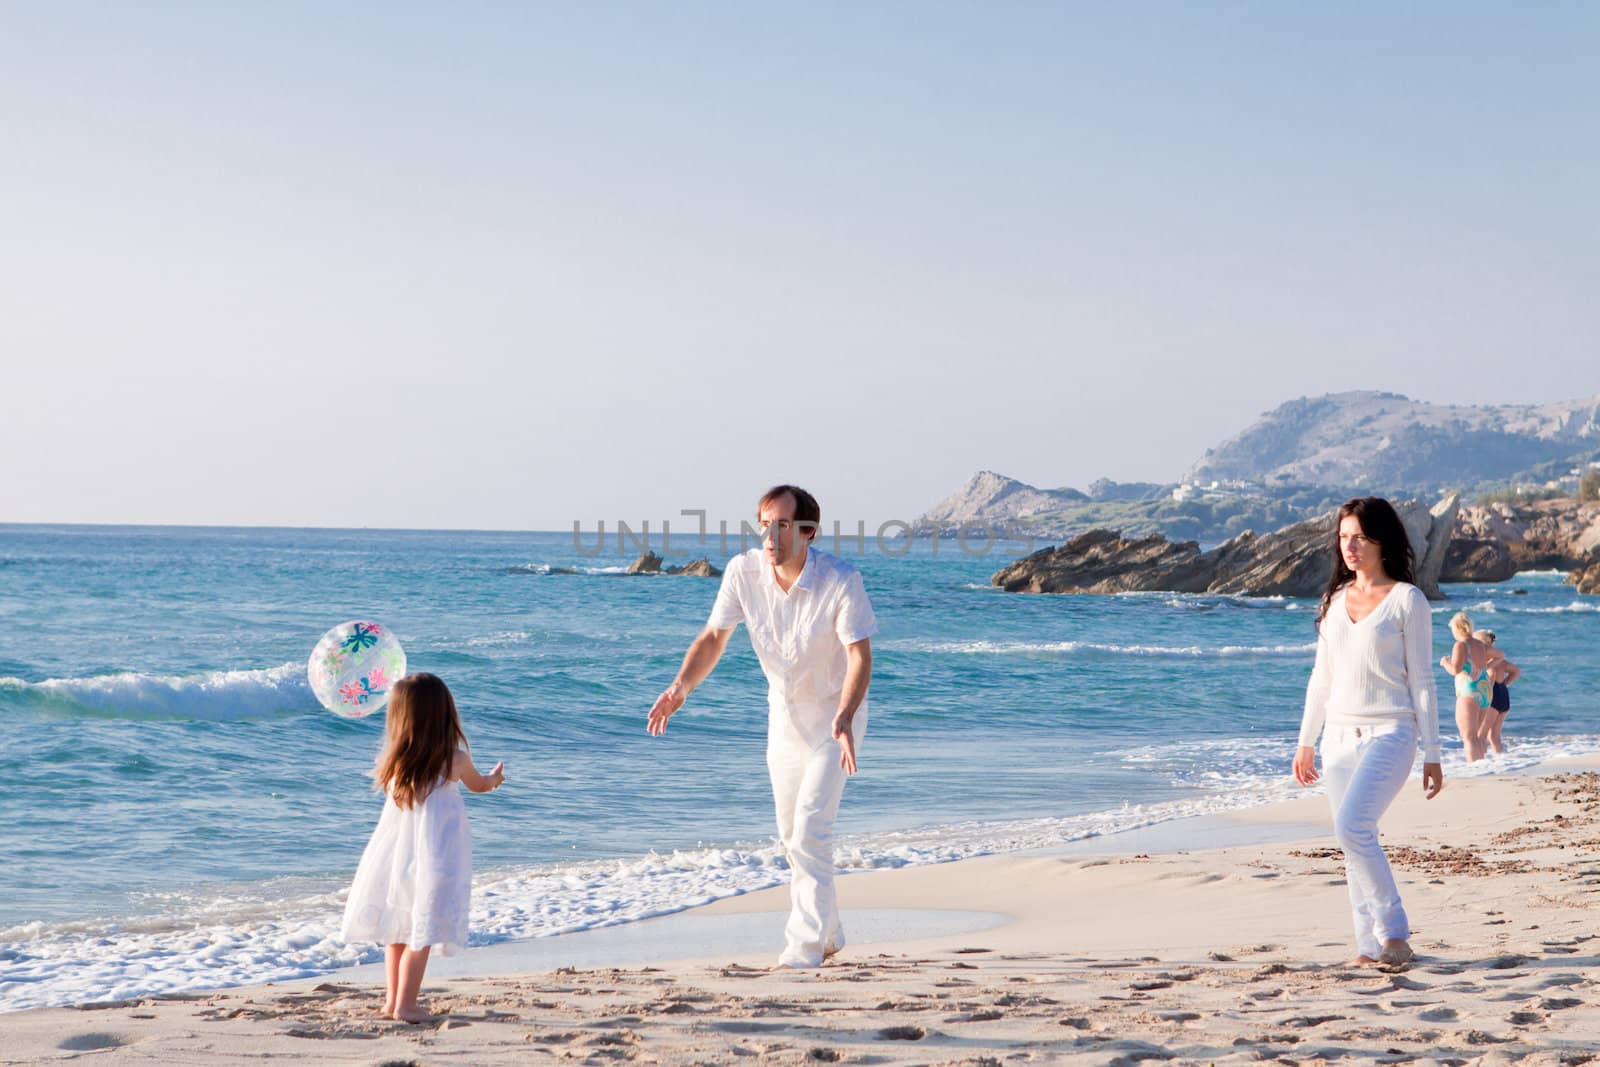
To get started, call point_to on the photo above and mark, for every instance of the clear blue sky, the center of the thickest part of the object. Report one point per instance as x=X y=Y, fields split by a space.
x=511 y=265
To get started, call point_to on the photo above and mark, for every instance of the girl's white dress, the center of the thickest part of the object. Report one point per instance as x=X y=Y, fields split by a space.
x=414 y=884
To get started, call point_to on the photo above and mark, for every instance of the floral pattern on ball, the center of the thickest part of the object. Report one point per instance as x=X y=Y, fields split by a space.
x=354 y=666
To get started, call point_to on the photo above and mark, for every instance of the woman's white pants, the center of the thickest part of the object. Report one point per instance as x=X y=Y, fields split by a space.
x=1365 y=768
x=807 y=784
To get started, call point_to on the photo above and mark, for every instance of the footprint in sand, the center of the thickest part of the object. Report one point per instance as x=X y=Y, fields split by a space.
x=334 y=1033
x=824 y=1055
x=1439 y=1015
x=902 y=1033
x=1506 y=963
x=93 y=1042
x=1524 y=1018
x=1559 y=1003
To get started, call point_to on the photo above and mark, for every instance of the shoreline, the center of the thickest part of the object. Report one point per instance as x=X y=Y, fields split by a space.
x=1226 y=954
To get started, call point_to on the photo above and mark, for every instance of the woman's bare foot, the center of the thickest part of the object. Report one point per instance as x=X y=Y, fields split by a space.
x=1396 y=951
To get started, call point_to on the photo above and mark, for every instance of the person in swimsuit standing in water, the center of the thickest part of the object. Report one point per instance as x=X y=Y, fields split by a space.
x=1468 y=662
x=1502 y=672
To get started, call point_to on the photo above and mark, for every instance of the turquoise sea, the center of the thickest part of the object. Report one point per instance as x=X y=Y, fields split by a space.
x=179 y=812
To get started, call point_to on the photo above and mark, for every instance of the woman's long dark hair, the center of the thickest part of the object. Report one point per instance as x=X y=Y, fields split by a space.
x=1381 y=523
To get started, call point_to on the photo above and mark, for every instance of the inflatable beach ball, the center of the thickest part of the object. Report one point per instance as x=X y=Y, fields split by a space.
x=353 y=667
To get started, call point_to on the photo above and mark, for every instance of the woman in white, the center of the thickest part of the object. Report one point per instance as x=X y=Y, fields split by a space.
x=1372 y=698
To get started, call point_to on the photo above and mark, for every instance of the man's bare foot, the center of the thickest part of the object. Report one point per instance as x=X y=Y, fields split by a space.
x=1396 y=951
x=1363 y=960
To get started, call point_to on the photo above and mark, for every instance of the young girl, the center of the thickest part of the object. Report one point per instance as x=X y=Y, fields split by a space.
x=413 y=888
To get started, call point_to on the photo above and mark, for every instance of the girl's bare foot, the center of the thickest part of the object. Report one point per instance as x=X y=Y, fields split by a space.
x=412 y=1015
x=1396 y=950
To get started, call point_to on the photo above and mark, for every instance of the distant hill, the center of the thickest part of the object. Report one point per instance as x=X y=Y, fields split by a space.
x=1385 y=441
x=991 y=497
x=1297 y=461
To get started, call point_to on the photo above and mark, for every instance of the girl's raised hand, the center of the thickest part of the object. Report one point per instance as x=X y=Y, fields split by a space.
x=478 y=783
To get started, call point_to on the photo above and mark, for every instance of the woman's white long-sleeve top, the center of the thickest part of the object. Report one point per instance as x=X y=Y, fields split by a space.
x=1376 y=670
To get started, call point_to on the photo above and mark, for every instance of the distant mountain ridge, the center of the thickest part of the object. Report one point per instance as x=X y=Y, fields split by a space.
x=1388 y=441
x=993 y=496
x=1297 y=460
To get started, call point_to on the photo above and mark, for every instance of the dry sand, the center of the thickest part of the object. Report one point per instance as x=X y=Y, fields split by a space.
x=1232 y=955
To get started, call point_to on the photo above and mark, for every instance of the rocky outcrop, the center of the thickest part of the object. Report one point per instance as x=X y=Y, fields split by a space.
x=650 y=563
x=1293 y=561
x=1474 y=559
x=1559 y=534
x=1100 y=561
x=1587 y=579
x=1435 y=528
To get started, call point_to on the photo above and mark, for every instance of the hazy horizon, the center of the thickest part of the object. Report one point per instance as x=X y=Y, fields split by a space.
x=507 y=268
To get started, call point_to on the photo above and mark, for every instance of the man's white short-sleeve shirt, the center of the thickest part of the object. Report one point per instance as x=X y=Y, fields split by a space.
x=799 y=636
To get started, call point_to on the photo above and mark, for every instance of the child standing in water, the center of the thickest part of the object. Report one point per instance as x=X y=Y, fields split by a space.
x=414 y=885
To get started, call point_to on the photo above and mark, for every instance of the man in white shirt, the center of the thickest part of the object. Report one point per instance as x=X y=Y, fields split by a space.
x=810 y=623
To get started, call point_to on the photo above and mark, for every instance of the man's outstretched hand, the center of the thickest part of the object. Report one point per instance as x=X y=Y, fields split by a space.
x=670 y=700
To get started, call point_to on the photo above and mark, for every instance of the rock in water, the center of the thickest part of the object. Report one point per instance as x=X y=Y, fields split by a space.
x=1100 y=561
x=1587 y=579
x=1475 y=559
x=649 y=563
x=697 y=568
x=1293 y=561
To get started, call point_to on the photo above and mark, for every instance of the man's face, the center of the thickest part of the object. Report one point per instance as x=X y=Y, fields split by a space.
x=781 y=536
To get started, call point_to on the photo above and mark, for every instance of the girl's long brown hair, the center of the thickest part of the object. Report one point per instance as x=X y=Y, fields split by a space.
x=423 y=732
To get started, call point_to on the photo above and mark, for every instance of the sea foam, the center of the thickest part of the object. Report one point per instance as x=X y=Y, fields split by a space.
x=214 y=696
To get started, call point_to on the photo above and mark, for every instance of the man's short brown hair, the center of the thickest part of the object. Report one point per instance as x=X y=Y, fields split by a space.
x=807 y=512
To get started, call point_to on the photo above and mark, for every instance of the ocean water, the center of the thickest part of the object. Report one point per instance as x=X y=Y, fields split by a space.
x=178 y=812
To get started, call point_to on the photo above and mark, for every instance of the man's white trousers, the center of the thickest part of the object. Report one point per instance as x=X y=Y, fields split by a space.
x=807 y=784
x=1366 y=767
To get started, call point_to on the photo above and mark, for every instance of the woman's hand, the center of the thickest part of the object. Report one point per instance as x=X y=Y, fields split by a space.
x=1305 y=765
x=1432 y=780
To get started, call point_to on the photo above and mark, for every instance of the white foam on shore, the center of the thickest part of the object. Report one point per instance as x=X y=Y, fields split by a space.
x=288 y=928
